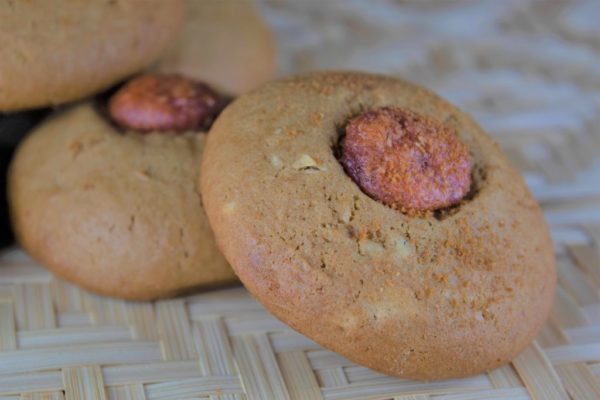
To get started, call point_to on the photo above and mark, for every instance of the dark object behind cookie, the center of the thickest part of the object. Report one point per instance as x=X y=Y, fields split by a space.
x=13 y=128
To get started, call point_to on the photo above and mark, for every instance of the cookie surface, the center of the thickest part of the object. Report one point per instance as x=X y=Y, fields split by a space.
x=117 y=213
x=428 y=297
x=57 y=51
x=225 y=43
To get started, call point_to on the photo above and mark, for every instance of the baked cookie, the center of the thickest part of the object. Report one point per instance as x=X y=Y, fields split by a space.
x=380 y=221
x=57 y=51
x=117 y=210
x=225 y=43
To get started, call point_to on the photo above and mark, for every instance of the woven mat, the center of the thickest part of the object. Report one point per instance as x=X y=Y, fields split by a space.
x=529 y=71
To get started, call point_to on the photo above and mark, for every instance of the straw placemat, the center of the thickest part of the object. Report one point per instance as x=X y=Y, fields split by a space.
x=530 y=73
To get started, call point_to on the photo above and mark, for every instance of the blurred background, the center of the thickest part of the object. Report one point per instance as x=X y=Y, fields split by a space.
x=527 y=70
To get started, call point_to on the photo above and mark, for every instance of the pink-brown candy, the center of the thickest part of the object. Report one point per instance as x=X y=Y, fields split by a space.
x=407 y=161
x=157 y=102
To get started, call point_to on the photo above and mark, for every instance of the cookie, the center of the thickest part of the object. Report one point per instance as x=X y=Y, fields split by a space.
x=304 y=181
x=225 y=43
x=55 y=52
x=112 y=205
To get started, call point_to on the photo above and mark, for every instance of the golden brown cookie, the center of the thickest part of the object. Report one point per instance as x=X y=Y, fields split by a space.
x=225 y=43
x=57 y=51
x=438 y=293
x=114 y=210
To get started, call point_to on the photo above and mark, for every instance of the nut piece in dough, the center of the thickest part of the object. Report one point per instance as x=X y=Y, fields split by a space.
x=406 y=161
x=157 y=102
